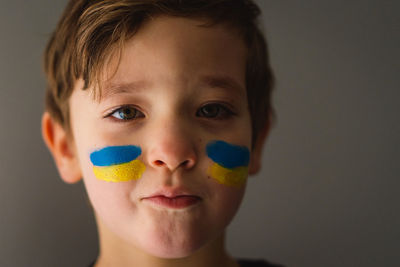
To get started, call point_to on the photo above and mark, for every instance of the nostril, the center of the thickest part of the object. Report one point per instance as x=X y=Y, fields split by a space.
x=185 y=163
x=158 y=163
x=188 y=163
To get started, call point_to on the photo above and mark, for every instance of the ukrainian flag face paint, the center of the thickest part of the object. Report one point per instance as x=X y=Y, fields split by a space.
x=117 y=163
x=231 y=162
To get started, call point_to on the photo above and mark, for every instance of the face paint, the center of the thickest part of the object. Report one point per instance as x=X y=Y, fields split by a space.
x=231 y=162
x=117 y=163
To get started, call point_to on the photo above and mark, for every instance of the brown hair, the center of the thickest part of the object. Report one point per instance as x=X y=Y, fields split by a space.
x=90 y=31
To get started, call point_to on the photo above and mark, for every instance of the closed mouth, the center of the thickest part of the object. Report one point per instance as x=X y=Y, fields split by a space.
x=174 y=202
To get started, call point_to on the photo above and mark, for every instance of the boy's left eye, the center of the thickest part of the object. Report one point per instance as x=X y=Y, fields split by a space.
x=126 y=113
x=214 y=111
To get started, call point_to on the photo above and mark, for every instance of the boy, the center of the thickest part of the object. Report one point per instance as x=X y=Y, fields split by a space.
x=162 y=107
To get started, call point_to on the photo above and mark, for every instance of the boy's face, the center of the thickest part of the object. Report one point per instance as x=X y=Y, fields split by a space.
x=178 y=88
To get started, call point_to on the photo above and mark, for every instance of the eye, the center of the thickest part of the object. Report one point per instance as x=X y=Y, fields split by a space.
x=126 y=113
x=214 y=111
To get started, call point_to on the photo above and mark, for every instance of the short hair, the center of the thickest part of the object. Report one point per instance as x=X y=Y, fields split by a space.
x=90 y=31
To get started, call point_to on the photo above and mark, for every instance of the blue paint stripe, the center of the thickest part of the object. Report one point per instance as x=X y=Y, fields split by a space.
x=228 y=155
x=113 y=155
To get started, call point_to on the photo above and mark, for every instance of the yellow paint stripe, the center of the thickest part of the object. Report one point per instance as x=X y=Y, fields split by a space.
x=132 y=170
x=231 y=177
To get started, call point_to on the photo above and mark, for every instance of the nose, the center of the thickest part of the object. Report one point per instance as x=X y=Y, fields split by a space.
x=171 y=146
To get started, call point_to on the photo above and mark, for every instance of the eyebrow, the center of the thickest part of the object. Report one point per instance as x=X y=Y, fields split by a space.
x=120 y=88
x=212 y=81
x=224 y=82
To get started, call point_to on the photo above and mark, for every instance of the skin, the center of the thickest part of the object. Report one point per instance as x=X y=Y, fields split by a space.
x=162 y=70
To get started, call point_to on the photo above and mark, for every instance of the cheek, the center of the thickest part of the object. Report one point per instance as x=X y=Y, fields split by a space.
x=117 y=163
x=110 y=174
x=226 y=204
x=111 y=201
x=125 y=172
x=230 y=177
x=231 y=162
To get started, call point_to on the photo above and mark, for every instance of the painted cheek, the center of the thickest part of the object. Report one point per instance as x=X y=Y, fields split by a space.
x=230 y=162
x=117 y=163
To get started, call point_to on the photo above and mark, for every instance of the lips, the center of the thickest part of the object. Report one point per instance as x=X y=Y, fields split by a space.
x=172 y=200
x=178 y=202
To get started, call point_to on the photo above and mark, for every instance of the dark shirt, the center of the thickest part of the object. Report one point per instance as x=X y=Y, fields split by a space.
x=244 y=263
x=257 y=263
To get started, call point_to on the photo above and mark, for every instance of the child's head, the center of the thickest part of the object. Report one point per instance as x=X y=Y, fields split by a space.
x=89 y=32
x=162 y=107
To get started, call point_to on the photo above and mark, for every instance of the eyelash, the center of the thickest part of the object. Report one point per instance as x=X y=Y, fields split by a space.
x=223 y=112
x=121 y=108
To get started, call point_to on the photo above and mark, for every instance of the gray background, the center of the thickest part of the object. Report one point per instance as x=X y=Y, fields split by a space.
x=328 y=191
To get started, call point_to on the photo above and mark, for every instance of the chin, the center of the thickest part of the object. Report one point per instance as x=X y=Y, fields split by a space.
x=172 y=247
x=168 y=253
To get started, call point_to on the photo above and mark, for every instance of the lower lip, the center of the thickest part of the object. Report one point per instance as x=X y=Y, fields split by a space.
x=178 y=202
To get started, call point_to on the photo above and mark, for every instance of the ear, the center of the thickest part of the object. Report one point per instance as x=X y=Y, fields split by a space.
x=256 y=153
x=61 y=148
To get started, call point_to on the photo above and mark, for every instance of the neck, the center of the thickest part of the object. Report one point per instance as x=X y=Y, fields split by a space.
x=115 y=251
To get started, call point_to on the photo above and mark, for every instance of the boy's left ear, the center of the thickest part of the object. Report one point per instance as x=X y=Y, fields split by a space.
x=256 y=153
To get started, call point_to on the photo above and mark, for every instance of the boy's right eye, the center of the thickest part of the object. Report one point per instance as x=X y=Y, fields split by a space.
x=126 y=113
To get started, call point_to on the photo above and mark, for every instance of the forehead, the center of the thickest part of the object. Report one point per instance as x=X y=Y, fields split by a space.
x=169 y=49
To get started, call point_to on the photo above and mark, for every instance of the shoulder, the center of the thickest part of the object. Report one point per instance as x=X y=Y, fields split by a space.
x=257 y=263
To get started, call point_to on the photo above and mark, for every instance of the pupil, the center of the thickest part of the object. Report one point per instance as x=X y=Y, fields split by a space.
x=126 y=113
x=210 y=110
